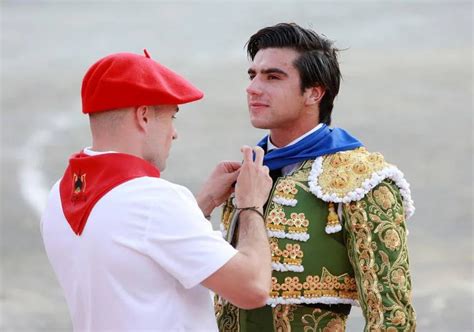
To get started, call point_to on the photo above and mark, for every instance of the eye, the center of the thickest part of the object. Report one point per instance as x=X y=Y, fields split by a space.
x=173 y=117
x=251 y=77
x=273 y=77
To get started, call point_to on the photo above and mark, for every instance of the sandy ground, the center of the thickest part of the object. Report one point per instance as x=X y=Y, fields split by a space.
x=407 y=92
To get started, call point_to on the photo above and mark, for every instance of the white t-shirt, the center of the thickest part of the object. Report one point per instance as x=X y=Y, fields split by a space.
x=140 y=260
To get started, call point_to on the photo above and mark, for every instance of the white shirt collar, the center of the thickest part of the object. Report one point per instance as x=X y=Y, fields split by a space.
x=270 y=145
x=88 y=151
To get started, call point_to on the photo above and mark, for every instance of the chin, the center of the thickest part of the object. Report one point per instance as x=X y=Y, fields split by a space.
x=258 y=124
x=157 y=164
x=160 y=166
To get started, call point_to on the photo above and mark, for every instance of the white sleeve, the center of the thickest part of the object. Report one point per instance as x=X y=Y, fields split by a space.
x=182 y=241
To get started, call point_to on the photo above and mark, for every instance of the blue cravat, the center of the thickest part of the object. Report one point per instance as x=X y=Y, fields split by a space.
x=323 y=141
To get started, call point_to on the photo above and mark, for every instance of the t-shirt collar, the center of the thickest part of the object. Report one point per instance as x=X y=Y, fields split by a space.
x=88 y=151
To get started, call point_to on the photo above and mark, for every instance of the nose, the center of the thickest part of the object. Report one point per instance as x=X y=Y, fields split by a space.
x=254 y=87
x=175 y=134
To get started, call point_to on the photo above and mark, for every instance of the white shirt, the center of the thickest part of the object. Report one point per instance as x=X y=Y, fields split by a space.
x=140 y=260
x=291 y=168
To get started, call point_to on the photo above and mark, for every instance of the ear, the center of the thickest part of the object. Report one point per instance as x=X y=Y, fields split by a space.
x=314 y=95
x=142 y=117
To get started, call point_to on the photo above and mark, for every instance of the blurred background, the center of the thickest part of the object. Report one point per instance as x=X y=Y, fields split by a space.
x=407 y=92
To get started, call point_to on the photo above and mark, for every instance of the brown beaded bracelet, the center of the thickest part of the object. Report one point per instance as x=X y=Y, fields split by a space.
x=251 y=208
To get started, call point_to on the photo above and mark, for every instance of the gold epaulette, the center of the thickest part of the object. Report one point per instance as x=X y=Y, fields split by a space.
x=348 y=176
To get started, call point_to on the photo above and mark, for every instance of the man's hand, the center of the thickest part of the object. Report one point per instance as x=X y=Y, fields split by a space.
x=253 y=183
x=251 y=267
x=218 y=186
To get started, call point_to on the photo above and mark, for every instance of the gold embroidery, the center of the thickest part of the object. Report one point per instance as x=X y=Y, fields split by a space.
x=300 y=176
x=344 y=172
x=227 y=213
x=297 y=223
x=333 y=224
x=399 y=278
x=376 y=242
x=276 y=252
x=333 y=219
x=342 y=286
x=313 y=319
x=276 y=220
x=398 y=318
x=399 y=219
x=365 y=264
x=292 y=254
x=282 y=317
x=218 y=307
x=339 y=159
x=335 y=325
x=317 y=321
x=228 y=319
x=286 y=189
x=391 y=239
x=384 y=197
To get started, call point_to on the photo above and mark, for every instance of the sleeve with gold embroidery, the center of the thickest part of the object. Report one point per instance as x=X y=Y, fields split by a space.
x=376 y=240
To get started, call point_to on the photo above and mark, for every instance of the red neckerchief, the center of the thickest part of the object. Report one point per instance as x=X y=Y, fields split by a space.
x=88 y=178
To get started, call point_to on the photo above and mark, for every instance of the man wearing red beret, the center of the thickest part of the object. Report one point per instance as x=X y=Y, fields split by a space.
x=133 y=251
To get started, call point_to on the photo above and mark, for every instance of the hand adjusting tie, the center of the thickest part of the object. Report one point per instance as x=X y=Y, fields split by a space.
x=251 y=208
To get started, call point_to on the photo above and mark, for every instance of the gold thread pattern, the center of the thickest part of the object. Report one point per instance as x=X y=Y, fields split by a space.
x=333 y=224
x=227 y=213
x=297 y=223
x=218 y=307
x=286 y=189
x=324 y=321
x=328 y=285
x=277 y=221
x=282 y=317
x=376 y=244
x=227 y=316
x=344 y=172
x=291 y=255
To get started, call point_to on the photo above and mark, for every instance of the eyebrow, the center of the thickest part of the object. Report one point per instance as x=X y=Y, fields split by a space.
x=268 y=71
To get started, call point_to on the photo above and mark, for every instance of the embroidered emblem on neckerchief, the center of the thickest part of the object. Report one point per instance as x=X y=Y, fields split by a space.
x=79 y=181
x=88 y=178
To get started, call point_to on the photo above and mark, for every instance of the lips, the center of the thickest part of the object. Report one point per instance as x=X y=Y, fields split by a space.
x=257 y=105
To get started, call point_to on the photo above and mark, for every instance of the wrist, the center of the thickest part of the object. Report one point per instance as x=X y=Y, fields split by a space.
x=206 y=204
x=252 y=209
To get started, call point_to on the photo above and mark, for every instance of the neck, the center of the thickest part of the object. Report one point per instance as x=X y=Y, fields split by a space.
x=117 y=146
x=283 y=136
x=305 y=121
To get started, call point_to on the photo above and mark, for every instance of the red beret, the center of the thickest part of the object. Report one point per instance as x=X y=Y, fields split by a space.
x=124 y=80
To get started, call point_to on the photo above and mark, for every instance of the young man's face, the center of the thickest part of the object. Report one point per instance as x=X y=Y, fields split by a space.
x=161 y=134
x=274 y=96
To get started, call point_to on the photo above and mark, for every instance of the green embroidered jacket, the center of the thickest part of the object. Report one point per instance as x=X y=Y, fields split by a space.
x=337 y=232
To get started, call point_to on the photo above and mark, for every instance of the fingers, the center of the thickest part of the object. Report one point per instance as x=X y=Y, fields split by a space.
x=247 y=153
x=253 y=183
x=231 y=166
x=258 y=155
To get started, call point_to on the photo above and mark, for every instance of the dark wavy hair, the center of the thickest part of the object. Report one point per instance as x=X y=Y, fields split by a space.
x=317 y=63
